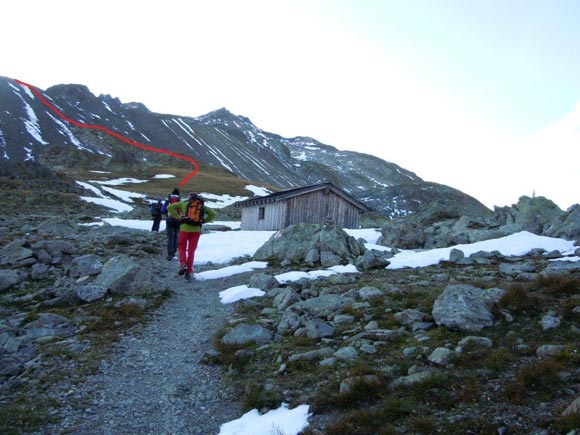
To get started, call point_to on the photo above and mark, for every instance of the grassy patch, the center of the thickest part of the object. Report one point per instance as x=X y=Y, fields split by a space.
x=557 y=284
x=495 y=359
x=567 y=423
x=538 y=378
x=256 y=396
x=24 y=415
x=518 y=299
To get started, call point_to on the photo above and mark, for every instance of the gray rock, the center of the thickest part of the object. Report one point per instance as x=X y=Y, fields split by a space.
x=455 y=255
x=245 y=333
x=372 y=259
x=342 y=319
x=91 y=293
x=55 y=248
x=348 y=353
x=561 y=268
x=118 y=274
x=312 y=355
x=57 y=227
x=550 y=321
x=16 y=253
x=516 y=269
x=475 y=341
x=415 y=378
x=368 y=293
x=464 y=307
x=296 y=242
x=566 y=225
x=312 y=257
x=402 y=235
x=572 y=408
x=285 y=298
x=547 y=350
x=39 y=271
x=372 y=325
x=289 y=323
x=532 y=214
x=329 y=259
x=368 y=349
x=441 y=356
x=85 y=265
x=410 y=316
x=317 y=329
x=8 y=278
x=322 y=306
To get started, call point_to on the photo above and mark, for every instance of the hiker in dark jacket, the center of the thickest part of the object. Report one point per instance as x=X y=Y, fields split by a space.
x=189 y=233
x=155 y=208
x=171 y=224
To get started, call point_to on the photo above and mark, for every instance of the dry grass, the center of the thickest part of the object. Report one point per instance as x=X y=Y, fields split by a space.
x=207 y=179
x=536 y=378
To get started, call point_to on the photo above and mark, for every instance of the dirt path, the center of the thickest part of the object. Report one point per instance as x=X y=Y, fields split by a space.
x=155 y=383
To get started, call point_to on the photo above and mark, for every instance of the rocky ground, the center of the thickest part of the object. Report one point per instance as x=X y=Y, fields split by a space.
x=78 y=358
x=99 y=336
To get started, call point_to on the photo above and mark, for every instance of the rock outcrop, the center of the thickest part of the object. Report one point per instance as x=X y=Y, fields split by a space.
x=321 y=245
x=439 y=229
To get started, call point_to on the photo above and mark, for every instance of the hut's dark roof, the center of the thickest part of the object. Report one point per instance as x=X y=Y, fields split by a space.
x=283 y=195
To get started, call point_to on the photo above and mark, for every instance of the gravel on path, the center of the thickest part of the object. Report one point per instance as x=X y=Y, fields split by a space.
x=154 y=383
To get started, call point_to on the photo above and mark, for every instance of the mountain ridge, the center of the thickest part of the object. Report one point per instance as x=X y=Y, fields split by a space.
x=220 y=139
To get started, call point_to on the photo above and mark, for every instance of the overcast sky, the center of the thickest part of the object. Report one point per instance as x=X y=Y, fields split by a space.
x=481 y=95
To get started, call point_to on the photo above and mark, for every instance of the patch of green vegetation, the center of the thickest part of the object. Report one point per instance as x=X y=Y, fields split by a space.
x=495 y=359
x=557 y=284
x=470 y=425
x=256 y=396
x=539 y=377
x=25 y=415
x=567 y=423
x=518 y=299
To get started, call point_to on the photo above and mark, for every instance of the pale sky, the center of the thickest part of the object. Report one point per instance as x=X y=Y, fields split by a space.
x=482 y=95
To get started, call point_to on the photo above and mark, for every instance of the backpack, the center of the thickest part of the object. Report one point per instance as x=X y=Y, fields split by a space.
x=194 y=212
x=155 y=208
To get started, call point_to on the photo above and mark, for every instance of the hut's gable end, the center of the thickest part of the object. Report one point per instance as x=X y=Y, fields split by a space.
x=322 y=205
x=313 y=204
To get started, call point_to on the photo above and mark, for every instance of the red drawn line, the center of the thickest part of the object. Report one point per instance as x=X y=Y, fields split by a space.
x=112 y=133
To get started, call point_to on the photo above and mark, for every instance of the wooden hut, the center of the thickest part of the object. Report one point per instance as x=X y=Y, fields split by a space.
x=311 y=204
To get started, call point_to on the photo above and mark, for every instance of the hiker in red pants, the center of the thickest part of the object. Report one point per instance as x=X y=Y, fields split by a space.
x=192 y=214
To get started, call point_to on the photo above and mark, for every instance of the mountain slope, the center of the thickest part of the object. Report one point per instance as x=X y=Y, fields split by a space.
x=31 y=130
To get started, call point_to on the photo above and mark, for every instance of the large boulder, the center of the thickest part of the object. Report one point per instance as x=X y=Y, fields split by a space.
x=465 y=308
x=17 y=253
x=323 y=306
x=57 y=227
x=245 y=333
x=531 y=214
x=566 y=225
x=402 y=234
x=118 y=274
x=327 y=245
x=89 y=264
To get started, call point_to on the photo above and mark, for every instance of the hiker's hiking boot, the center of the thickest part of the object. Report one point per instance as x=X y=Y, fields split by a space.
x=188 y=276
x=182 y=269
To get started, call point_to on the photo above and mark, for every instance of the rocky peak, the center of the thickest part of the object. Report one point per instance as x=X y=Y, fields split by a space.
x=72 y=93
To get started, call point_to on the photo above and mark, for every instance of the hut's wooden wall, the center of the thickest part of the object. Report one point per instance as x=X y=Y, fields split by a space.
x=315 y=208
x=322 y=205
x=274 y=217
